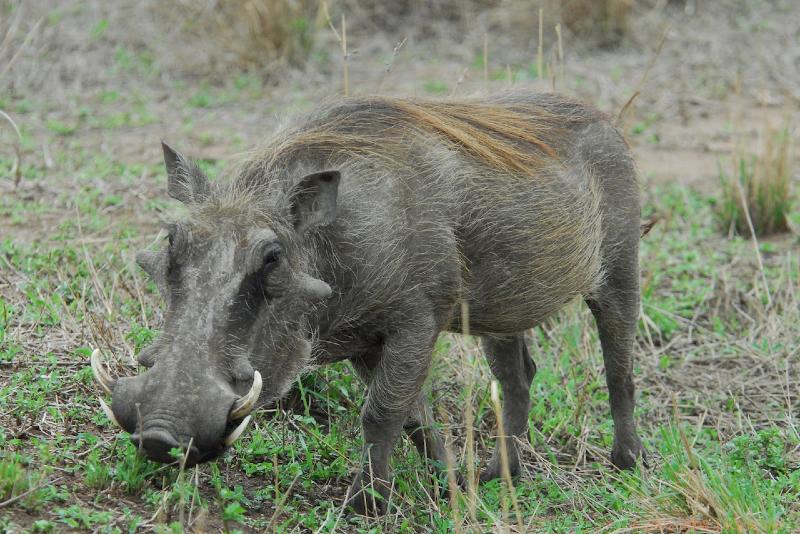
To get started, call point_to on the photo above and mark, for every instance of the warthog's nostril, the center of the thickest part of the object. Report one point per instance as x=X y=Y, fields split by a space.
x=158 y=444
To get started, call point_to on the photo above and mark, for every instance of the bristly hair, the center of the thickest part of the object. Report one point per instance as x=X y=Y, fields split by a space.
x=509 y=134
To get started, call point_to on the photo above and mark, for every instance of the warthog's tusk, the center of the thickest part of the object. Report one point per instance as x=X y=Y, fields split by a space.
x=233 y=436
x=100 y=373
x=108 y=412
x=244 y=405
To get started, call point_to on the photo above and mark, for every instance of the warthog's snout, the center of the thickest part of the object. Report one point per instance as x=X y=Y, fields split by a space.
x=164 y=410
x=157 y=444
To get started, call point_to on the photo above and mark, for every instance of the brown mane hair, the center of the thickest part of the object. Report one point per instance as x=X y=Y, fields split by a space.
x=515 y=137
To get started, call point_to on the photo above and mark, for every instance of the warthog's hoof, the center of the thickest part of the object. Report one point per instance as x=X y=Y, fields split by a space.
x=495 y=470
x=461 y=485
x=368 y=499
x=625 y=452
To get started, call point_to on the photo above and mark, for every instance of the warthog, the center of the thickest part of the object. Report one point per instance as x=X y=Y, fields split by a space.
x=361 y=233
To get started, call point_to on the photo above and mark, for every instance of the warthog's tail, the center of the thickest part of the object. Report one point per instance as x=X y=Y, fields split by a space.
x=648 y=225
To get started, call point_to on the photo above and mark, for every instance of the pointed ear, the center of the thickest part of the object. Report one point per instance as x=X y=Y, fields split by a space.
x=314 y=200
x=185 y=182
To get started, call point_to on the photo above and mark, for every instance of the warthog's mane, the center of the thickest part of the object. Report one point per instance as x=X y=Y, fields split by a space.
x=507 y=132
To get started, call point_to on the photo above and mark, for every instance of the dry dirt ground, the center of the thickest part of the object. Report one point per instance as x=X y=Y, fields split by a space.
x=94 y=85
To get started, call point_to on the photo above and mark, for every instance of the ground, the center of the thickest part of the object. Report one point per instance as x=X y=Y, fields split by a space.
x=93 y=88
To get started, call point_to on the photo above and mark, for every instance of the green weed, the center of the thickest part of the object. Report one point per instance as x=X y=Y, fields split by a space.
x=61 y=128
x=97 y=473
x=435 y=87
x=132 y=470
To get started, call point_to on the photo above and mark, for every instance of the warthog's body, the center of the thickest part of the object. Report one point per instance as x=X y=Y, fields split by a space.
x=507 y=207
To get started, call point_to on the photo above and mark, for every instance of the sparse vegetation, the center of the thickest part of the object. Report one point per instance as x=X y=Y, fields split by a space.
x=91 y=88
x=295 y=463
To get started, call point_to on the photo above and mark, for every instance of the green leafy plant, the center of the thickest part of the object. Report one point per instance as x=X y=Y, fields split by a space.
x=96 y=473
x=132 y=470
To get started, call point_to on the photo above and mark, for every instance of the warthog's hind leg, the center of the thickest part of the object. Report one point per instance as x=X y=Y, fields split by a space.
x=422 y=431
x=513 y=367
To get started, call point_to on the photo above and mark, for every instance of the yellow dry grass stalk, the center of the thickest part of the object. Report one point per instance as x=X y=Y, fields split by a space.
x=502 y=443
x=16 y=170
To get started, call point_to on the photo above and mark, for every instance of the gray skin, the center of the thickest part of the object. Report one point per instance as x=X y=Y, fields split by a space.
x=323 y=256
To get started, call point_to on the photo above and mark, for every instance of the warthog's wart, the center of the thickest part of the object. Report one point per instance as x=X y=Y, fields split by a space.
x=360 y=233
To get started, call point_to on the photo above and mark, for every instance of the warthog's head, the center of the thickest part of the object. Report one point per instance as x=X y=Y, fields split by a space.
x=237 y=297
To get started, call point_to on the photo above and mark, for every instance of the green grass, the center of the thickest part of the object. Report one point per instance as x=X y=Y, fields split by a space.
x=716 y=371
x=436 y=87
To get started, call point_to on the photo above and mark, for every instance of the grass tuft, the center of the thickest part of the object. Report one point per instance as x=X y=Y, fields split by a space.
x=757 y=191
x=603 y=21
x=256 y=33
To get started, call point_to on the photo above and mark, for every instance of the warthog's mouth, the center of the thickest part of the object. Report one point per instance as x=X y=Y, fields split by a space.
x=158 y=441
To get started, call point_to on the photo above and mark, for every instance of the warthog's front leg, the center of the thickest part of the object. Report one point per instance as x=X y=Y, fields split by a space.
x=394 y=388
x=420 y=425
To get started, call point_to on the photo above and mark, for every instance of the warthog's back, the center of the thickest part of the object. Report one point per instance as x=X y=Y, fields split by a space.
x=497 y=202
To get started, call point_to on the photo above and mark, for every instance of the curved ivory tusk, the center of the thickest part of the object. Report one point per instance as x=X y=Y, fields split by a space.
x=233 y=436
x=244 y=405
x=108 y=412
x=100 y=373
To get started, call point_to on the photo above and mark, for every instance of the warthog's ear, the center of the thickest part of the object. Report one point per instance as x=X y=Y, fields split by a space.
x=185 y=182
x=313 y=201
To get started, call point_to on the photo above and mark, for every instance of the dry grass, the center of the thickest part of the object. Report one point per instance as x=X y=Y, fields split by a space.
x=605 y=21
x=414 y=16
x=15 y=171
x=263 y=34
x=256 y=33
x=188 y=38
x=756 y=195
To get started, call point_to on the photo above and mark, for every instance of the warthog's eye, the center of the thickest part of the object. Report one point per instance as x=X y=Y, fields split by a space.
x=272 y=257
x=256 y=288
x=178 y=238
x=254 y=285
